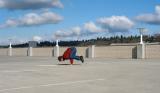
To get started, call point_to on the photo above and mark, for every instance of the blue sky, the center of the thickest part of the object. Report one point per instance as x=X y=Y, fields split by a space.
x=24 y=20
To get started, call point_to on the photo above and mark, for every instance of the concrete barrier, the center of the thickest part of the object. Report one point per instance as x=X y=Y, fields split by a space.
x=3 y=51
x=56 y=51
x=152 y=51
x=30 y=51
x=19 y=51
x=141 y=51
x=47 y=51
x=91 y=51
x=113 y=51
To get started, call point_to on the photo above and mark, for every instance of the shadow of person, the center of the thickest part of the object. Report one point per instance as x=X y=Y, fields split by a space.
x=67 y=64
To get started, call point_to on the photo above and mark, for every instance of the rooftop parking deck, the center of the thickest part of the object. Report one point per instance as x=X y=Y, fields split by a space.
x=46 y=75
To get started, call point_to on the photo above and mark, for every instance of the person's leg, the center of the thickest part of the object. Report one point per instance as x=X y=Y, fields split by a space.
x=82 y=59
x=73 y=54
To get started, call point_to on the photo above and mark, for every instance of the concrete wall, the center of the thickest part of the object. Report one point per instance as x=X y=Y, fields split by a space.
x=3 y=51
x=42 y=51
x=152 y=51
x=19 y=51
x=115 y=52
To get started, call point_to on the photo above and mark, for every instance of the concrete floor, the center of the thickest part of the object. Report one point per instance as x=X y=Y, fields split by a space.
x=46 y=75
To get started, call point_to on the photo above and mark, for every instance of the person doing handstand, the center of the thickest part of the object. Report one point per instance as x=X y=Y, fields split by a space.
x=70 y=54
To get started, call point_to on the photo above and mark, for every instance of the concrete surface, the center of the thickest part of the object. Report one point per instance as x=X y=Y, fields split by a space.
x=46 y=75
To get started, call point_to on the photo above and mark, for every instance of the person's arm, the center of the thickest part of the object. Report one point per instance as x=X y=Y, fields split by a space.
x=71 y=61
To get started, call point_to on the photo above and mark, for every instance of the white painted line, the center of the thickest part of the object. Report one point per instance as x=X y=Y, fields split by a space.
x=46 y=65
x=10 y=71
x=74 y=82
x=55 y=84
x=17 y=71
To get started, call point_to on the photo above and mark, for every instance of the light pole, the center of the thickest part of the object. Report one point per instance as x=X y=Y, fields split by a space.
x=10 y=47
x=56 y=49
x=10 y=43
x=141 y=46
x=141 y=30
x=57 y=42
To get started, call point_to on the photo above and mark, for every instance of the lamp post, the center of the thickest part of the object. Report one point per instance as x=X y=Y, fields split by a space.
x=141 y=46
x=56 y=49
x=141 y=30
x=57 y=43
x=10 y=47
x=10 y=43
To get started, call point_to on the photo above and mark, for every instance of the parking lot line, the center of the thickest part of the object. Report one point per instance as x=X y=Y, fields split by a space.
x=46 y=65
x=54 y=84
x=17 y=71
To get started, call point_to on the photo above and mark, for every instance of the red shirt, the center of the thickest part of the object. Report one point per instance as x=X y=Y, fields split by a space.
x=67 y=54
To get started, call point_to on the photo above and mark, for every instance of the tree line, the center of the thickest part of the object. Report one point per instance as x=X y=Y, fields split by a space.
x=98 y=41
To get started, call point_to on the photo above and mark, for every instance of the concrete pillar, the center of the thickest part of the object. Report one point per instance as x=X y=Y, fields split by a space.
x=91 y=51
x=141 y=51
x=10 y=51
x=30 y=52
x=56 y=51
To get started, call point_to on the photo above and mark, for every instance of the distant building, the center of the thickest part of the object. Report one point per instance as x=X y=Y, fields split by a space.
x=32 y=43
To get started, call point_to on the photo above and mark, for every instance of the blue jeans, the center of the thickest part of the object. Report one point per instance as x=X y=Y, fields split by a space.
x=73 y=54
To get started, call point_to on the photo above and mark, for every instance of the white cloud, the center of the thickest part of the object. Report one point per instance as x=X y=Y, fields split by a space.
x=116 y=23
x=76 y=30
x=37 y=38
x=87 y=30
x=73 y=32
x=32 y=19
x=152 y=18
x=44 y=18
x=2 y=3
x=91 y=27
x=61 y=33
x=30 y=4
x=9 y=23
x=158 y=9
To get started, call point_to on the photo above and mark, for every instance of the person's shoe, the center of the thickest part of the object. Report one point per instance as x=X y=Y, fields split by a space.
x=81 y=58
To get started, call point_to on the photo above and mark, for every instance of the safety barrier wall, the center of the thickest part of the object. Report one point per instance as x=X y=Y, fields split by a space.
x=152 y=51
x=116 y=51
x=42 y=51
x=19 y=51
x=3 y=51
